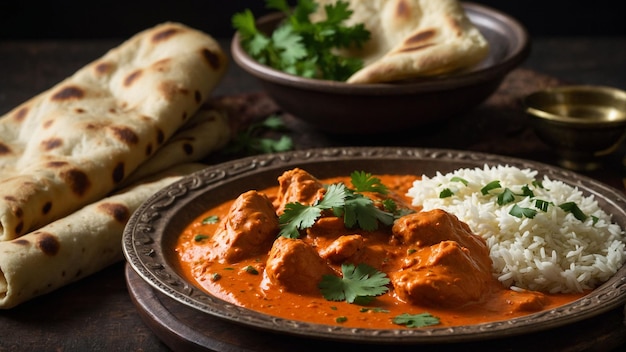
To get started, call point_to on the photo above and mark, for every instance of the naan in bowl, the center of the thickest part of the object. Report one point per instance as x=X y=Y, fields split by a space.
x=412 y=38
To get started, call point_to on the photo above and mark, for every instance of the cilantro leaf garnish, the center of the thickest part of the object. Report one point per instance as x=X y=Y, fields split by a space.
x=298 y=216
x=267 y=145
x=594 y=219
x=356 y=209
x=361 y=283
x=506 y=197
x=252 y=139
x=341 y=319
x=245 y=24
x=542 y=204
x=571 y=207
x=527 y=192
x=301 y=47
x=490 y=186
x=373 y=309
x=446 y=193
x=459 y=179
x=200 y=237
x=288 y=45
x=365 y=182
x=360 y=210
x=520 y=212
x=390 y=205
x=252 y=270
x=212 y=219
x=272 y=122
x=416 y=320
x=335 y=196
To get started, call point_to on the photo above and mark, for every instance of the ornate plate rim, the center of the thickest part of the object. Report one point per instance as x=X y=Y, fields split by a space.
x=141 y=246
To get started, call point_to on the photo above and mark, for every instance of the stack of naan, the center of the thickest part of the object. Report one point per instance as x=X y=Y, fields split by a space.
x=78 y=159
x=412 y=38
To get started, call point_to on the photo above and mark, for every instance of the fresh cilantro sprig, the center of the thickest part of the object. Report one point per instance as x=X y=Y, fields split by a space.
x=359 y=284
x=253 y=140
x=357 y=210
x=364 y=182
x=298 y=216
x=301 y=47
x=360 y=211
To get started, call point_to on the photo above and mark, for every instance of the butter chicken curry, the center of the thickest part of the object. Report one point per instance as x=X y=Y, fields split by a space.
x=352 y=251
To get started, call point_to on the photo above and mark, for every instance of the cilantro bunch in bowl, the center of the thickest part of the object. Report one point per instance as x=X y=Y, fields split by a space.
x=303 y=66
x=301 y=47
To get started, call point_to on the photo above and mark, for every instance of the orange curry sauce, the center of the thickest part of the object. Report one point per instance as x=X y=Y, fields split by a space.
x=242 y=279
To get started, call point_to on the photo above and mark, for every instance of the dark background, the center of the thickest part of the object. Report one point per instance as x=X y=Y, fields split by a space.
x=123 y=18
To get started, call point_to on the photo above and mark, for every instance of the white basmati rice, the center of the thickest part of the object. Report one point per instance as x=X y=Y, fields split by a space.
x=551 y=252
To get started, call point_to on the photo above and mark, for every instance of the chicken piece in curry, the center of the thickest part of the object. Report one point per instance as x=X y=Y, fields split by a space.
x=431 y=261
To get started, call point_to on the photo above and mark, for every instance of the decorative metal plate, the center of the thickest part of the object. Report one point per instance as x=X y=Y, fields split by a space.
x=150 y=235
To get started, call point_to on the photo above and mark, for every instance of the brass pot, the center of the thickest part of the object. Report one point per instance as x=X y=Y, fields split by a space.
x=583 y=123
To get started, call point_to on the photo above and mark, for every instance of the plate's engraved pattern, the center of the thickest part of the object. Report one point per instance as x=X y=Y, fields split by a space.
x=143 y=246
x=142 y=239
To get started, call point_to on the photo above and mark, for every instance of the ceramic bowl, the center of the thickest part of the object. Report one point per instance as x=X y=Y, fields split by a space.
x=582 y=123
x=339 y=107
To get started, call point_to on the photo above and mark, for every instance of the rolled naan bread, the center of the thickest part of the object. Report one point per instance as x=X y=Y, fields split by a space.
x=207 y=131
x=76 y=142
x=27 y=267
x=75 y=246
x=412 y=38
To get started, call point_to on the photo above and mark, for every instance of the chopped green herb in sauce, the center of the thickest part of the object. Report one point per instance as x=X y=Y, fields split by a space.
x=200 y=237
x=416 y=320
x=213 y=219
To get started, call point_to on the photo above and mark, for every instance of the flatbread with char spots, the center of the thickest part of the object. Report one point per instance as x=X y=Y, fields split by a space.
x=58 y=248
x=412 y=38
x=77 y=245
x=76 y=142
x=206 y=131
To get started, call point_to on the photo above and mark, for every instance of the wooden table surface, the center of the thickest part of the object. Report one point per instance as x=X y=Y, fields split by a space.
x=97 y=313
